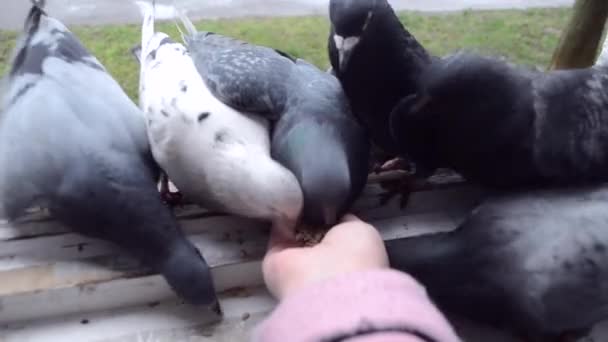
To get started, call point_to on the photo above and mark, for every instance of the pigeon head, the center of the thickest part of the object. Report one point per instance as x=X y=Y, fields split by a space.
x=350 y=20
x=326 y=189
x=319 y=162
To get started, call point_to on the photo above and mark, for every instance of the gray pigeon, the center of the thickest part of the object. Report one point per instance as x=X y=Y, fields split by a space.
x=315 y=136
x=217 y=156
x=73 y=142
x=533 y=262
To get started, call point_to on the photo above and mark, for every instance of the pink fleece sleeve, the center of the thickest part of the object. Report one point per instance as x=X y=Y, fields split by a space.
x=373 y=306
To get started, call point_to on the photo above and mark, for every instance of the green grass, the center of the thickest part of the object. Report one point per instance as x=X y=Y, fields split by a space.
x=527 y=37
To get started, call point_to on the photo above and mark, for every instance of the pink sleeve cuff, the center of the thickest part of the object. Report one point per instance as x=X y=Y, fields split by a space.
x=350 y=305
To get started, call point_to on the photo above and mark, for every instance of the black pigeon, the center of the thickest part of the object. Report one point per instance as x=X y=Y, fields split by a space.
x=504 y=125
x=72 y=141
x=533 y=262
x=377 y=61
x=315 y=135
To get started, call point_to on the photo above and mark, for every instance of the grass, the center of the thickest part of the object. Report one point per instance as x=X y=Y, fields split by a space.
x=527 y=37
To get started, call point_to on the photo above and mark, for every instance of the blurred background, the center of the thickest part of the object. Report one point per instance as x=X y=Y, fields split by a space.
x=525 y=31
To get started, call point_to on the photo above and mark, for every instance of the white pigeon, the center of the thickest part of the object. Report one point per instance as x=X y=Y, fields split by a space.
x=215 y=155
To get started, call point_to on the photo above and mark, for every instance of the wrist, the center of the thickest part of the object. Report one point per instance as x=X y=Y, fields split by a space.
x=317 y=278
x=372 y=301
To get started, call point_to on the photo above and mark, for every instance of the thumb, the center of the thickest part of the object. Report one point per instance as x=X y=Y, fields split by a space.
x=350 y=218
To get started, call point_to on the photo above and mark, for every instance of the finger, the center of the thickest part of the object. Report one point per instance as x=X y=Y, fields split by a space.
x=350 y=229
x=350 y=218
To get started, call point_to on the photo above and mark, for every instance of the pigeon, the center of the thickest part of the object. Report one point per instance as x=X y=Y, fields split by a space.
x=522 y=261
x=217 y=156
x=72 y=141
x=377 y=61
x=503 y=125
x=314 y=133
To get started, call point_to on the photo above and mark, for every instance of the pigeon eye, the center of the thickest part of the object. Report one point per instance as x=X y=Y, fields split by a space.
x=202 y=116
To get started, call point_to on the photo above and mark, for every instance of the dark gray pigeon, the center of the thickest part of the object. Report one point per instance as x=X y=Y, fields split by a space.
x=72 y=141
x=315 y=135
x=533 y=262
x=377 y=61
x=505 y=125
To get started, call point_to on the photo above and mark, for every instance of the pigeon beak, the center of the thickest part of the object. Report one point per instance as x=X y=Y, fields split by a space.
x=330 y=216
x=345 y=47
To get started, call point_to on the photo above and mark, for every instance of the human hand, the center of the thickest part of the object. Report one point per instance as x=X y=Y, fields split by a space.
x=350 y=246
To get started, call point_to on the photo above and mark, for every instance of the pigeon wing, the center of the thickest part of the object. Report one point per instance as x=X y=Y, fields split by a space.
x=244 y=76
x=61 y=110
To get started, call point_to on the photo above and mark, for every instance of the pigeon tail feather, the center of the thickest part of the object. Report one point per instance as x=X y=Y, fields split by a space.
x=33 y=17
x=147 y=29
x=30 y=28
x=188 y=26
x=136 y=52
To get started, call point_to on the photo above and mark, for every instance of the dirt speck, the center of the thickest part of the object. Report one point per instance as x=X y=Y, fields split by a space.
x=239 y=292
x=310 y=236
x=226 y=237
x=153 y=304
